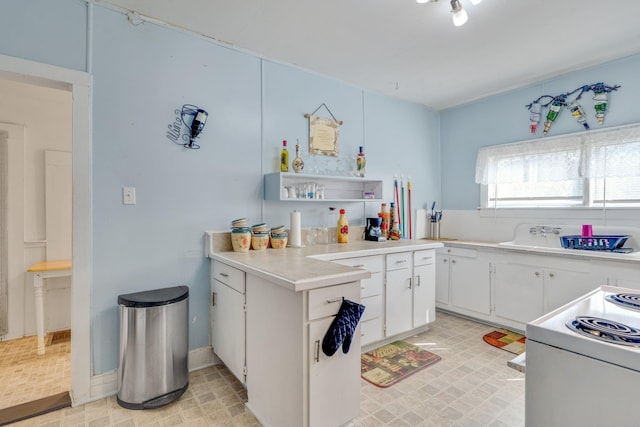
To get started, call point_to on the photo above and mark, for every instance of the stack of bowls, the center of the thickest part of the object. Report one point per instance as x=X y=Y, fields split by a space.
x=278 y=237
x=240 y=235
x=259 y=236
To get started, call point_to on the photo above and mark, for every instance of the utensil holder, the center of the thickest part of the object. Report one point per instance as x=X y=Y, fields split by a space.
x=434 y=232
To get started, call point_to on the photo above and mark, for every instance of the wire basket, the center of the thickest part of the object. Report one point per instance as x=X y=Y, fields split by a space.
x=594 y=243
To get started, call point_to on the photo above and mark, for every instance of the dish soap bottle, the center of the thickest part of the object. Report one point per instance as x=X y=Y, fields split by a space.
x=284 y=158
x=361 y=163
x=297 y=163
x=343 y=228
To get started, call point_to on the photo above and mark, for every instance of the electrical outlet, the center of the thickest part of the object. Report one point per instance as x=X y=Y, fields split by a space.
x=129 y=195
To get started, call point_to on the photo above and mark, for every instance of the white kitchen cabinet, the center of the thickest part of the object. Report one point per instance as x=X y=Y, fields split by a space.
x=529 y=286
x=371 y=295
x=519 y=292
x=228 y=317
x=463 y=280
x=612 y=273
x=424 y=275
x=398 y=293
x=335 y=188
x=290 y=381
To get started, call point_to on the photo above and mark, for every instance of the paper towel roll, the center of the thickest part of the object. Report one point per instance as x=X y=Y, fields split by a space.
x=295 y=235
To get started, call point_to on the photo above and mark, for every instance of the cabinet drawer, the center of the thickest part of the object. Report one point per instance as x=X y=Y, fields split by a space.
x=469 y=253
x=326 y=301
x=371 y=331
x=229 y=276
x=398 y=261
x=373 y=264
x=371 y=286
x=373 y=307
x=424 y=257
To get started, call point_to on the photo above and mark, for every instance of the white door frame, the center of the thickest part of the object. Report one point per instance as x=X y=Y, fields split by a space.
x=79 y=84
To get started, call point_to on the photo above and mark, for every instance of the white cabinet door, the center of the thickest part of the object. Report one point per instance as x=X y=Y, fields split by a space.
x=424 y=304
x=442 y=279
x=398 y=302
x=519 y=292
x=228 y=323
x=334 y=382
x=563 y=286
x=470 y=284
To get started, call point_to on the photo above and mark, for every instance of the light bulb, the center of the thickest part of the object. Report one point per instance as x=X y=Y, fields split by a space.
x=459 y=14
x=475 y=2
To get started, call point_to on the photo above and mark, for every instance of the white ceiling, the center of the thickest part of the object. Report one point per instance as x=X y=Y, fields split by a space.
x=412 y=51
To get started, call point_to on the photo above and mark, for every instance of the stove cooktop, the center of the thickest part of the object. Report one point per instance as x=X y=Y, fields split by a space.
x=626 y=300
x=605 y=330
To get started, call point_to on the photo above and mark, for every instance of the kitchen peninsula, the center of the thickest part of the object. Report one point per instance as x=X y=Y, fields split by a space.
x=272 y=308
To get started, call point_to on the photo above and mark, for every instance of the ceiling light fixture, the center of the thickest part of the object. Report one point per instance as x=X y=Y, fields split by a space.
x=459 y=14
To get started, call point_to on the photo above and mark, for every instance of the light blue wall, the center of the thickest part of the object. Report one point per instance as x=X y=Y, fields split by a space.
x=504 y=118
x=53 y=32
x=141 y=74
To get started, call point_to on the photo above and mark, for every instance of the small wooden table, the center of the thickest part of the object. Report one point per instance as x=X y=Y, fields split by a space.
x=44 y=270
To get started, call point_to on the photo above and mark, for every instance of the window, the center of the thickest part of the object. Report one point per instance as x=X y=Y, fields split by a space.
x=592 y=169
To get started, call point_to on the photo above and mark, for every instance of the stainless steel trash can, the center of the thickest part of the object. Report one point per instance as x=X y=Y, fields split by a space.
x=154 y=342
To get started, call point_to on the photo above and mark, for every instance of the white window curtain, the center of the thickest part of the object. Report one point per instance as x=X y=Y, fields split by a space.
x=603 y=153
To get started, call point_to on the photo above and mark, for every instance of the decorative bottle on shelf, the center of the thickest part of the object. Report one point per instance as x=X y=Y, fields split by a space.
x=284 y=158
x=361 y=163
x=297 y=163
x=343 y=228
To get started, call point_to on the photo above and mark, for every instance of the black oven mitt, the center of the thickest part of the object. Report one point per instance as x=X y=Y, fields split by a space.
x=342 y=327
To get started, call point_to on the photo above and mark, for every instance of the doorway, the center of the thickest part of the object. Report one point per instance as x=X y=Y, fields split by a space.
x=36 y=122
x=78 y=84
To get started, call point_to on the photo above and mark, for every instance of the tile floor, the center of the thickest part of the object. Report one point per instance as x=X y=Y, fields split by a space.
x=25 y=376
x=471 y=386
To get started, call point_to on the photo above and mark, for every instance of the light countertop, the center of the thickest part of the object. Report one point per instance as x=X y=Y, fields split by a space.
x=633 y=257
x=305 y=268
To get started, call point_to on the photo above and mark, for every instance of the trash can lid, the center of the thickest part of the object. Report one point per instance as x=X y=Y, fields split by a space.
x=155 y=297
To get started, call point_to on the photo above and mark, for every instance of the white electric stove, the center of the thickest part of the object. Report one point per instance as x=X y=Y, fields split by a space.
x=583 y=362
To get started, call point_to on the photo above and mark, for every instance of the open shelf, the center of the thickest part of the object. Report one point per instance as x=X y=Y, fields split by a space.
x=336 y=188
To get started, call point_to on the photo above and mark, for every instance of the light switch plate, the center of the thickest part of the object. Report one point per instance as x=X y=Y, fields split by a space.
x=129 y=195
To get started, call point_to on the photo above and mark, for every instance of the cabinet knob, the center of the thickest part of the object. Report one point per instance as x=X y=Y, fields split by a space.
x=444 y=260
x=537 y=273
x=453 y=261
x=224 y=274
x=316 y=357
x=551 y=275
x=418 y=280
x=358 y=266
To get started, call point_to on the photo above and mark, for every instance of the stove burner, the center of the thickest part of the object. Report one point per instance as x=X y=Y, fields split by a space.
x=605 y=330
x=631 y=301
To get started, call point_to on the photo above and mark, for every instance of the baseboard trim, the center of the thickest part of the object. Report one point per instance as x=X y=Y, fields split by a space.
x=106 y=384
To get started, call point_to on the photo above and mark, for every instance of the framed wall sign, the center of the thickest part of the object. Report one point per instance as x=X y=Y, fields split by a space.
x=323 y=133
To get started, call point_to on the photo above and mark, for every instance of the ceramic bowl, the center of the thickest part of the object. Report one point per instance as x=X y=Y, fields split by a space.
x=240 y=222
x=278 y=229
x=260 y=228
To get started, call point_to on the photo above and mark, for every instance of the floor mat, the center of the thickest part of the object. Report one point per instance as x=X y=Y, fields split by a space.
x=389 y=364
x=35 y=408
x=510 y=341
